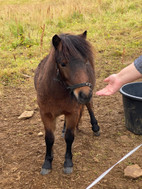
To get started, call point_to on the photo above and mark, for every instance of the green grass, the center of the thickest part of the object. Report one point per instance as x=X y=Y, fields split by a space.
x=114 y=29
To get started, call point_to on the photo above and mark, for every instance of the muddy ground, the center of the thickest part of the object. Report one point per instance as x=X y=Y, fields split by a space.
x=22 y=150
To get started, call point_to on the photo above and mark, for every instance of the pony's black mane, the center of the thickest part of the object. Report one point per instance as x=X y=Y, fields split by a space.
x=76 y=45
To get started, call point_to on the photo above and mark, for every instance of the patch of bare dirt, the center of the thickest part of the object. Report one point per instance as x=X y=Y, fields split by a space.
x=22 y=150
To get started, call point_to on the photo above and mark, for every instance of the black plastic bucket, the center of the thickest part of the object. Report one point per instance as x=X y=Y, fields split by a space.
x=132 y=102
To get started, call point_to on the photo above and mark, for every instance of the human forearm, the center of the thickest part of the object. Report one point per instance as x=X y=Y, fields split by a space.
x=128 y=74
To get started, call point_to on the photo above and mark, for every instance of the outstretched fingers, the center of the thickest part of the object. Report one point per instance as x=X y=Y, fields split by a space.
x=105 y=91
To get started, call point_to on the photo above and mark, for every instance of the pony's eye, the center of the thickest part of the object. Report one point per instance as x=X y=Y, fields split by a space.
x=63 y=64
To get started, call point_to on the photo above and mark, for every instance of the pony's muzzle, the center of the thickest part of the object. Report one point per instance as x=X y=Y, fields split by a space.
x=83 y=94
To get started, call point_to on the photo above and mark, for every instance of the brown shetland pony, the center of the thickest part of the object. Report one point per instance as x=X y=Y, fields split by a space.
x=64 y=81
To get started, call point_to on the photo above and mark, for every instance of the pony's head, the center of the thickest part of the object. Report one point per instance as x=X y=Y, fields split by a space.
x=74 y=60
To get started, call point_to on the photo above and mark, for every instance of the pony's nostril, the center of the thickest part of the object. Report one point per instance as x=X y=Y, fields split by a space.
x=83 y=98
x=82 y=95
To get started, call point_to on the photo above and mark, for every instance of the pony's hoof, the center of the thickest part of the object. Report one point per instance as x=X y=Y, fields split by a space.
x=96 y=133
x=45 y=171
x=68 y=170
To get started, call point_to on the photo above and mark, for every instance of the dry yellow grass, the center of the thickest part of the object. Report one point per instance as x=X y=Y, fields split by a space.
x=39 y=12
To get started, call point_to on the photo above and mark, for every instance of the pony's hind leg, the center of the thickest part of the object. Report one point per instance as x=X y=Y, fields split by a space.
x=49 y=125
x=71 y=123
x=94 y=123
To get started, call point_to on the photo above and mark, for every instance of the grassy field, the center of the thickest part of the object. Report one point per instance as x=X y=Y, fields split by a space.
x=27 y=26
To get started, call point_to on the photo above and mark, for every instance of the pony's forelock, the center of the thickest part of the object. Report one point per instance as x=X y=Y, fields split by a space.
x=75 y=45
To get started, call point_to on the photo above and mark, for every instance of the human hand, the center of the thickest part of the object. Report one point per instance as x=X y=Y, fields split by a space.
x=113 y=86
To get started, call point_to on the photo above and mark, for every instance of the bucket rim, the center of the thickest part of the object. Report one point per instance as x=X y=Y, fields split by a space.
x=128 y=95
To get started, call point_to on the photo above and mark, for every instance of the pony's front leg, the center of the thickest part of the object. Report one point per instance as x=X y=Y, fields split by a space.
x=49 y=125
x=94 y=123
x=71 y=122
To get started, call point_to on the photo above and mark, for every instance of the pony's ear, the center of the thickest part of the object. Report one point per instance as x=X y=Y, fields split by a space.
x=56 y=41
x=84 y=34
